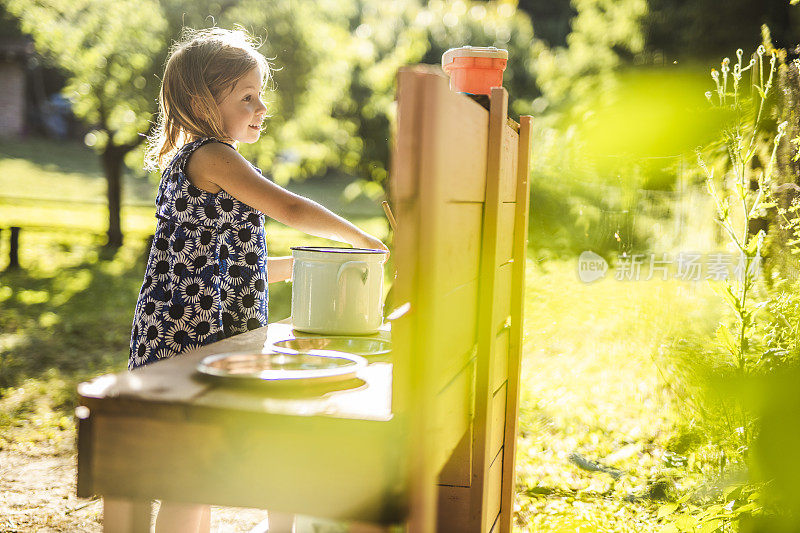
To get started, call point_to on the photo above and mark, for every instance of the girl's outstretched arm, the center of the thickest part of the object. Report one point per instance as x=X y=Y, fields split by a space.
x=218 y=165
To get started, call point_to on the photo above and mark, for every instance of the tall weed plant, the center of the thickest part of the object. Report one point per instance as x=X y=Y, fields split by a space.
x=712 y=378
x=742 y=194
x=773 y=393
x=739 y=172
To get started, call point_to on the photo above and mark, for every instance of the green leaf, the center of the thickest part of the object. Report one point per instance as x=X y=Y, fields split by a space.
x=686 y=522
x=669 y=528
x=667 y=509
x=711 y=526
x=726 y=292
x=726 y=339
x=754 y=245
x=731 y=493
x=751 y=506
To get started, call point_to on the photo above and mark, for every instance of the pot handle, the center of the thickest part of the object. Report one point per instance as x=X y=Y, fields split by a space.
x=353 y=264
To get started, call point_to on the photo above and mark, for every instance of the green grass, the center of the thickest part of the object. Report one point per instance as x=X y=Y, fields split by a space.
x=590 y=384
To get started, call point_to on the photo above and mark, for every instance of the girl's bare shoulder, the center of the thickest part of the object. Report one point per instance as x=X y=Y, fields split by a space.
x=208 y=164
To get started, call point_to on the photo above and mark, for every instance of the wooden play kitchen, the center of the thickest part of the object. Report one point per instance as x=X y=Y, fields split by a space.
x=423 y=437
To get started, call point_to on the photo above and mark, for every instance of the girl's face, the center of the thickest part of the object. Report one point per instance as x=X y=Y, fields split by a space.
x=242 y=110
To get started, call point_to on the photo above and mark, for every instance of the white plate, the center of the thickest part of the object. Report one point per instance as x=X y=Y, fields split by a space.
x=296 y=368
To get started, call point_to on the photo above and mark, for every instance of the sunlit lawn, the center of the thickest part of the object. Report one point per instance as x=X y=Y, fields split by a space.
x=589 y=385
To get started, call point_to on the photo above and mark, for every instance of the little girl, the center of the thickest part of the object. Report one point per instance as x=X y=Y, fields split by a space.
x=208 y=271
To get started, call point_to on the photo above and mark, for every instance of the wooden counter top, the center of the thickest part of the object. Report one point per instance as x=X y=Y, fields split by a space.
x=174 y=384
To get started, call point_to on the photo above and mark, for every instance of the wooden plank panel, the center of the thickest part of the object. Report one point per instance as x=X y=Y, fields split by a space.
x=404 y=164
x=351 y=470
x=451 y=415
x=487 y=307
x=515 y=345
x=508 y=175
x=461 y=153
x=404 y=328
x=498 y=422
x=505 y=233
x=402 y=370
x=456 y=327
x=457 y=470
x=423 y=248
x=503 y=296
x=496 y=525
x=463 y=170
x=457 y=142
x=458 y=245
x=493 y=490
x=453 y=514
x=445 y=163
x=500 y=366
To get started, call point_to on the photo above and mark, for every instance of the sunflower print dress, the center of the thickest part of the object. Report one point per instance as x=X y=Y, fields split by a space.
x=206 y=275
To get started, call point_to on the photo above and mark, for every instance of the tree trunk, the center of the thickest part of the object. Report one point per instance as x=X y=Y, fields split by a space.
x=112 y=159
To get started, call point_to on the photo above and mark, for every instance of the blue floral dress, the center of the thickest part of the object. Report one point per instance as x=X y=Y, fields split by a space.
x=206 y=276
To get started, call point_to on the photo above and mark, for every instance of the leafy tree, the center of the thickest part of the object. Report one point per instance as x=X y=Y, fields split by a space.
x=384 y=37
x=334 y=74
x=497 y=24
x=706 y=30
x=113 y=54
x=388 y=36
x=334 y=104
x=9 y=26
x=312 y=65
x=606 y=36
x=551 y=20
x=107 y=48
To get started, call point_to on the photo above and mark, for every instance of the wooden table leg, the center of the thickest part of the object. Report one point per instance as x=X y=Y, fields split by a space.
x=126 y=516
x=205 y=521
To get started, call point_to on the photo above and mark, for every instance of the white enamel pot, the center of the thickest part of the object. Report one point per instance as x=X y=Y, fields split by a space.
x=337 y=291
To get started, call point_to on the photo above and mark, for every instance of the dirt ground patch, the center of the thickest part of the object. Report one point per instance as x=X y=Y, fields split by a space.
x=37 y=493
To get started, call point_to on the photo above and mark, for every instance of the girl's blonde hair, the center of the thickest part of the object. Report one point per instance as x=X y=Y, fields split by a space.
x=203 y=67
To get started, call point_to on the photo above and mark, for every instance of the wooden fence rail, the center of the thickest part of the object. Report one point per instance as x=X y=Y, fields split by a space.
x=15 y=232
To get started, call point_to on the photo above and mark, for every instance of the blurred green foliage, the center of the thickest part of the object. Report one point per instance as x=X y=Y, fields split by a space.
x=106 y=47
x=652 y=113
x=703 y=31
x=333 y=104
x=605 y=36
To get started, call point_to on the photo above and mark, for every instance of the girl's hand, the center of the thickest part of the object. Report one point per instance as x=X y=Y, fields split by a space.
x=368 y=241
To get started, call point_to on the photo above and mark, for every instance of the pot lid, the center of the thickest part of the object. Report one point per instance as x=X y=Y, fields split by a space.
x=473 y=51
x=337 y=250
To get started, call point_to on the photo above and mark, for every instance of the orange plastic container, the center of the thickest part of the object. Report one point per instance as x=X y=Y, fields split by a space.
x=475 y=70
